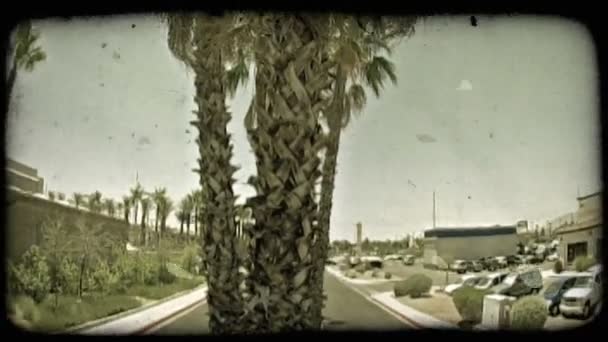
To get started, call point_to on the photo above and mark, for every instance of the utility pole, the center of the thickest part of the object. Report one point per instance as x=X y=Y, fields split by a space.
x=434 y=219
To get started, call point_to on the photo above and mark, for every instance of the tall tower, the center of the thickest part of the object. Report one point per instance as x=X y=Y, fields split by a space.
x=359 y=237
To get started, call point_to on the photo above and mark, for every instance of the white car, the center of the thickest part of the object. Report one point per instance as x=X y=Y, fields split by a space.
x=502 y=261
x=553 y=257
x=466 y=280
x=393 y=257
x=584 y=296
x=491 y=280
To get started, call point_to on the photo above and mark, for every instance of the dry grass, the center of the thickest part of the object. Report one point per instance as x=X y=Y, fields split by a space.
x=438 y=305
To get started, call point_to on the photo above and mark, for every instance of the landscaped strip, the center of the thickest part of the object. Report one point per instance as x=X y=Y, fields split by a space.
x=143 y=320
x=419 y=319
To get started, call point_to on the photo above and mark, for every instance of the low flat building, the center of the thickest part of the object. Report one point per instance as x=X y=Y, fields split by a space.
x=444 y=245
x=584 y=237
x=23 y=177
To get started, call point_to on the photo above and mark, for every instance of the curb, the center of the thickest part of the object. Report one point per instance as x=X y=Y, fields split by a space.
x=423 y=321
x=337 y=274
x=132 y=321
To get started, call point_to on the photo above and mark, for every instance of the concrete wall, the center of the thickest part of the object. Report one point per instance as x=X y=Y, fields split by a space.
x=26 y=213
x=26 y=183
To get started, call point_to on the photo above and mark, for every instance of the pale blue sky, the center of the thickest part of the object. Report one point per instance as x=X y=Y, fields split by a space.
x=510 y=106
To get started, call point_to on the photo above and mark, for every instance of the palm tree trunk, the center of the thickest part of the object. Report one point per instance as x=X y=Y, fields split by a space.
x=188 y=228
x=195 y=220
x=135 y=212
x=143 y=228
x=216 y=174
x=81 y=275
x=181 y=227
x=327 y=188
x=285 y=142
x=12 y=76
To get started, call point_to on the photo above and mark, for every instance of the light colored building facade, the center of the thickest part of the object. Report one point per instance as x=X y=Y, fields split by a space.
x=444 y=245
x=584 y=236
x=23 y=177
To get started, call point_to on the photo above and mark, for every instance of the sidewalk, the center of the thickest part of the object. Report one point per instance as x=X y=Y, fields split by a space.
x=137 y=321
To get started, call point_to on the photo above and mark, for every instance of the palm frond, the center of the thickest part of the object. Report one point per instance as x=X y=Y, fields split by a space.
x=237 y=76
x=357 y=98
x=376 y=73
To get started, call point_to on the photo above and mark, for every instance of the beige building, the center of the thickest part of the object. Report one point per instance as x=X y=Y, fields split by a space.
x=584 y=236
x=23 y=177
x=444 y=245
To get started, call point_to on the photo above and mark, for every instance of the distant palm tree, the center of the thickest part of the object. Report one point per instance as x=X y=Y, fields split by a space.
x=26 y=54
x=61 y=196
x=94 y=202
x=51 y=195
x=181 y=217
x=145 y=206
x=109 y=206
x=119 y=209
x=126 y=203
x=78 y=199
x=157 y=198
x=166 y=206
x=136 y=195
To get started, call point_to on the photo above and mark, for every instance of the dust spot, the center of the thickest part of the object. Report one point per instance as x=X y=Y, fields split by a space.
x=132 y=25
x=143 y=141
x=473 y=21
x=425 y=138
x=103 y=45
x=116 y=55
x=469 y=197
x=491 y=135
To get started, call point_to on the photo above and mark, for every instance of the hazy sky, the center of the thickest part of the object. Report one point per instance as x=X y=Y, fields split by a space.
x=500 y=119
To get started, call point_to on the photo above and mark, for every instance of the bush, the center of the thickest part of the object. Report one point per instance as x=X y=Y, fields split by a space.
x=32 y=275
x=376 y=273
x=164 y=276
x=343 y=267
x=469 y=303
x=582 y=263
x=529 y=313
x=189 y=259
x=104 y=279
x=414 y=286
x=25 y=309
x=351 y=274
x=558 y=267
x=362 y=267
x=388 y=275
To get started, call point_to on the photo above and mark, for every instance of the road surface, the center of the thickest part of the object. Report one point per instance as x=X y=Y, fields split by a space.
x=346 y=309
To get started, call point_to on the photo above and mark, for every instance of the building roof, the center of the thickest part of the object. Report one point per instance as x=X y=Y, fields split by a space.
x=470 y=231
x=599 y=193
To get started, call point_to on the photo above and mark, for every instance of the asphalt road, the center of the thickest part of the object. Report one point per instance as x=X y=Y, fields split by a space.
x=346 y=309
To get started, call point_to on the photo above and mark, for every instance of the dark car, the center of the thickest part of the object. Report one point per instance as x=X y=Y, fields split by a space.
x=475 y=266
x=554 y=291
x=513 y=260
x=489 y=263
x=535 y=259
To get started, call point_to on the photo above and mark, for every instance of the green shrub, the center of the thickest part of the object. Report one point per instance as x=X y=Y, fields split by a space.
x=32 y=275
x=376 y=273
x=351 y=274
x=104 y=279
x=362 y=267
x=414 y=286
x=582 y=263
x=164 y=276
x=25 y=309
x=558 y=267
x=190 y=258
x=343 y=267
x=469 y=303
x=529 y=313
x=388 y=275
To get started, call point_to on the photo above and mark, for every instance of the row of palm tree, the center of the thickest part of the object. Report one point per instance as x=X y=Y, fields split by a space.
x=311 y=72
x=189 y=211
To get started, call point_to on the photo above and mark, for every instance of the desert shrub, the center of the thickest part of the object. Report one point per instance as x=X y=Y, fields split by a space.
x=582 y=263
x=388 y=275
x=558 y=267
x=164 y=276
x=469 y=303
x=375 y=273
x=351 y=274
x=529 y=313
x=189 y=259
x=414 y=286
x=24 y=308
x=103 y=279
x=32 y=275
x=343 y=267
x=362 y=267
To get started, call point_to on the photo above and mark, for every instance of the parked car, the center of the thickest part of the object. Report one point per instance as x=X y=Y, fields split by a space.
x=354 y=260
x=502 y=261
x=372 y=261
x=466 y=280
x=521 y=283
x=584 y=296
x=460 y=266
x=536 y=259
x=513 y=260
x=475 y=266
x=553 y=257
x=409 y=259
x=491 y=280
x=489 y=264
x=558 y=285
x=393 y=257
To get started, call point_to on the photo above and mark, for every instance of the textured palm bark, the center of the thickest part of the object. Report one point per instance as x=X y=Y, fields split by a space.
x=327 y=188
x=286 y=141
x=216 y=175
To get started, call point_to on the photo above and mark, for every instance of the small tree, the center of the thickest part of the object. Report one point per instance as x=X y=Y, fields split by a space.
x=582 y=263
x=529 y=313
x=32 y=275
x=469 y=303
x=56 y=246
x=558 y=267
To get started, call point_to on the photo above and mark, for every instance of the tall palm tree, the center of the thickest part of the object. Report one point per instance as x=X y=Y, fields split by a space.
x=197 y=204
x=109 y=206
x=94 y=202
x=137 y=193
x=78 y=199
x=189 y=207
x=157 y=198
x=358 y=60
x=207 y=44
x=145 y=207
x=285 y=133
x=166 y=206
x=119 y=209
x=126 y=203
x=26 y=54
x=180 y=215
